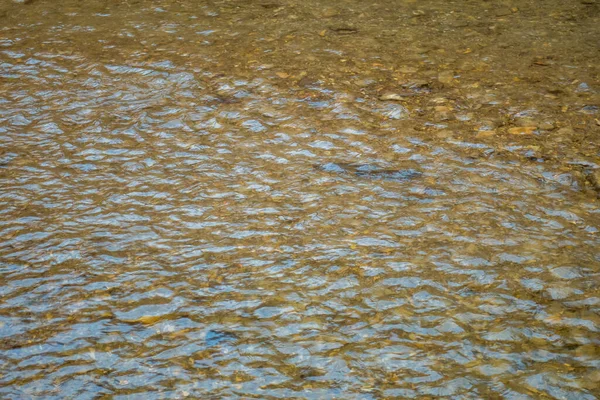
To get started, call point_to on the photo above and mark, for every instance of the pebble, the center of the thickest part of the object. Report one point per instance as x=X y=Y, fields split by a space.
x=593 y=177
x=465 y=117
x=503 y=11
x=419 y=83
x=484 y=134
x=523 y=122
x=442 y=113
x=444 y=134
x=330 y=12
x=390 y=96
x=407 y=70
x=441 y=116
x=566 y=131
x=522 y=130
x=446 y=77
x=364 y=82
x=344 y=29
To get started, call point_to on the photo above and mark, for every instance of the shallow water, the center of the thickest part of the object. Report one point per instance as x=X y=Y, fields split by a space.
x=165 y=232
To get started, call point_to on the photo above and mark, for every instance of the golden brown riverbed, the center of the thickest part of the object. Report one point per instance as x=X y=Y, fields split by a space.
x=299 y=199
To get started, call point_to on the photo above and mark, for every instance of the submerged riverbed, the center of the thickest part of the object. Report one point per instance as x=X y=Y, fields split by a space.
x=299 y=199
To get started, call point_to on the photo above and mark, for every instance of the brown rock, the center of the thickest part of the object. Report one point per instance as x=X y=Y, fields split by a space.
x=523 y=122
x=392 y=96
x=446 y=77
x=407 y=69
x=503 y=12
x=522 y=130
x=330 y=12
x=485 y=134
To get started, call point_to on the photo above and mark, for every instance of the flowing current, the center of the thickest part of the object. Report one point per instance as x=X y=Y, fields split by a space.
x=297 y=199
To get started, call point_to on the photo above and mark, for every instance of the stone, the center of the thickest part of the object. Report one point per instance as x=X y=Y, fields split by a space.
x=522 y=130
x=444 y=134
x=407 y=69
x=419 y=83
x=330 y=12
x=503 y=12
x=566 y=131
x=522 y=122
x=485 y=134
x=547 y=126
x=391 y=96
x=446 y=77
x=593 y=177
x=364 y=82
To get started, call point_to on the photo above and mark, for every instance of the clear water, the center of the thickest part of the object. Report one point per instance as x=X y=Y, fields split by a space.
x=299 y=199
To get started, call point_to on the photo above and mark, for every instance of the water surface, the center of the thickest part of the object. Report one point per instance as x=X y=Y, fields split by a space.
x=165 y=233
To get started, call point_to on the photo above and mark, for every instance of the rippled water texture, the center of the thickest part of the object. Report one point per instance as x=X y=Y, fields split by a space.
x=298 y=199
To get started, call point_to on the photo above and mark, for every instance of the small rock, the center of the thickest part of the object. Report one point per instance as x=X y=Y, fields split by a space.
x=446 y=77
x=489 y=124
x=465 y=117
x=345 y=97
x=390 y=96
x=559 y=292
x=407 y=70
x=344 y=29
x=441 y=116
x=566 y=272
x=593 y=177
x=522 y=122
x=330 y=12
x=583 y=87
x=590 y=110
x=364 y=82
x=444 y=134
x=485 y=134
x=503 y=12
x=566 y=131
x=522 y=130
x=307 y=81
x=547 y=126
x=282 y=75
x=419 y=83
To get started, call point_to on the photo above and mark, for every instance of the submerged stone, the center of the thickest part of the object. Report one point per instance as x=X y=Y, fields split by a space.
x=370 y=171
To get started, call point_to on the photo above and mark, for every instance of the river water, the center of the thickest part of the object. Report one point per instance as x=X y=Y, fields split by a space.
x=297 y=199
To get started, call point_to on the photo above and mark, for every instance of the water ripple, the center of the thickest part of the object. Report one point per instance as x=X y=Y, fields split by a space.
x=198 y=201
